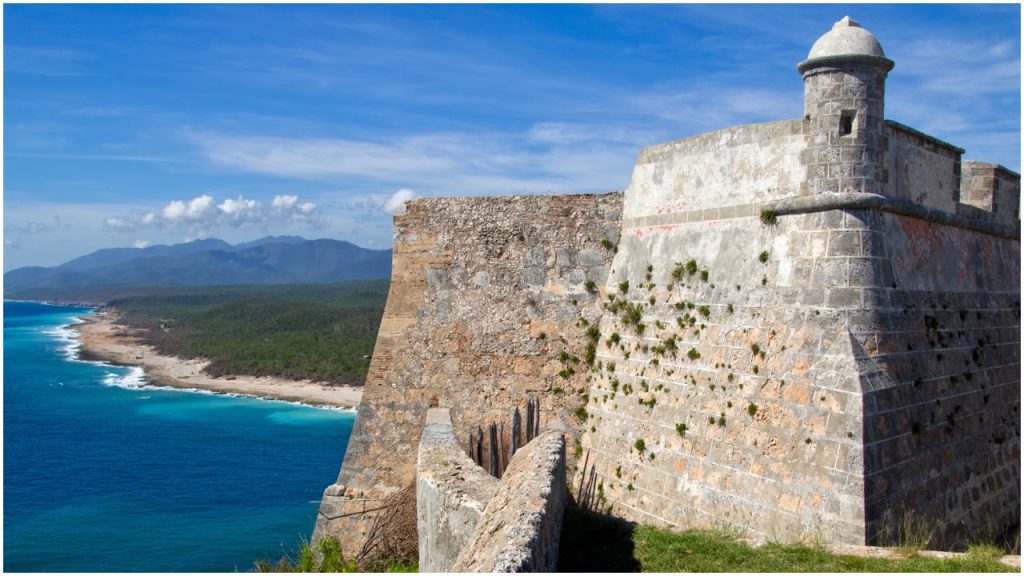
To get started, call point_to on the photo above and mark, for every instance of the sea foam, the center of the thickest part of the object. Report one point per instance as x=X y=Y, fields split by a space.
x=135 y=379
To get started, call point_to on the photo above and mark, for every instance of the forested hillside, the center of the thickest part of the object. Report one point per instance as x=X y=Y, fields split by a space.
x=321 y=332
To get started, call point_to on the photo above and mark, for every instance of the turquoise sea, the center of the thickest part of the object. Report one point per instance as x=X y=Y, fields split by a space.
x=105 y=473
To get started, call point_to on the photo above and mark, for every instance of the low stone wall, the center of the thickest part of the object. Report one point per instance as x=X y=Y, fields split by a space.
x=468 y=521
x=451 y=494
x=521 y=528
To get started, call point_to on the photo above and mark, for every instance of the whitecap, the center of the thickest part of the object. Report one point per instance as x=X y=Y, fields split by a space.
x=135 y=379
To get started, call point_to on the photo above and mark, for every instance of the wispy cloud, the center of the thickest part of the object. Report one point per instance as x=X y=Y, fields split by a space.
x=96 y=157
x=708 y=107
x=964 y=91
x=16 y=234
x=548 y=157
x=45 y=60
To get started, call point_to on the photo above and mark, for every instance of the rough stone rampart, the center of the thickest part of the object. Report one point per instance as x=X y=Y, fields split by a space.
x=490 y=302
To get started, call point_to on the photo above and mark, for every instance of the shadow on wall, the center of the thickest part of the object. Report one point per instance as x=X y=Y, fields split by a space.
x=595 y=542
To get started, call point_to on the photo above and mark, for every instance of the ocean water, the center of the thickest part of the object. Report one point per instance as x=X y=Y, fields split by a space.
x=105 y=473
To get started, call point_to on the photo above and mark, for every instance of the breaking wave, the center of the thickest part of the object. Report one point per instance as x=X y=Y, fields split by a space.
x=135 y=379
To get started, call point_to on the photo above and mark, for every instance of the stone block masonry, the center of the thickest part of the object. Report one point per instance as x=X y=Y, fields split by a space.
x=803 y=329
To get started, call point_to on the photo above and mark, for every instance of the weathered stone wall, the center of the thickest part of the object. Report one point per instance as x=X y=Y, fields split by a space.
x=718 y=170
x=942 y=424
x=922 y=169
x=486 y=295
x=739 y=403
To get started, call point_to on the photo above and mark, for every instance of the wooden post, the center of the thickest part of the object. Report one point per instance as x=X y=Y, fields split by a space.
x=529 y=420
x=493 y=452
x=501 y=449
x=516 y=429
x=536 y=417
x=479 y=446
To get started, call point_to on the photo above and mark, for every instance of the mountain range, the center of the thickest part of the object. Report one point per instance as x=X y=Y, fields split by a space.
x=208 y=262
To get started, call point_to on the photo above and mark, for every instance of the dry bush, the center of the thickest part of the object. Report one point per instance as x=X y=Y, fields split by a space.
x=392 y=538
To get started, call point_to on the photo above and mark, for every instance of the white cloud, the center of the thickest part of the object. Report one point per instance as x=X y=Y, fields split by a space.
x=140 y=243
x=398 y=198
x=285 y=201
x=201 y=215
x=196 y=210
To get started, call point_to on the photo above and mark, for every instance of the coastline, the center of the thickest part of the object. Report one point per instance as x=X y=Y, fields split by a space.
x=101 y=339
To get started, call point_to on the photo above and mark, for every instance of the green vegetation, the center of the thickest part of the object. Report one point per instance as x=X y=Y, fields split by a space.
x=627 y=547
x=330 y=559
x=321 y=332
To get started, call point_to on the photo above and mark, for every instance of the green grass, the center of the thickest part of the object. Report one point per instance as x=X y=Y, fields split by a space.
x=318 y=332
x=626 y=547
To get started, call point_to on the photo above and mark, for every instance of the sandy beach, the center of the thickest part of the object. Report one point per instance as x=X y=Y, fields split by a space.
x=103 y=340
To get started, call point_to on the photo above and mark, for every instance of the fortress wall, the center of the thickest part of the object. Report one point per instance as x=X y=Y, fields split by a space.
x=921 y=169
x=760 y=427
x=718 y=170
x=942 y=383
x=486 y=294
x=850 y=395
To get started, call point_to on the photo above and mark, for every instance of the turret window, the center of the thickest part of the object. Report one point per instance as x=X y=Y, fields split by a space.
x=846 y=122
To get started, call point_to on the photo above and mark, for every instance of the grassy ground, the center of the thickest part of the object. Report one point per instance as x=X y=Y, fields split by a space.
x=597 y=543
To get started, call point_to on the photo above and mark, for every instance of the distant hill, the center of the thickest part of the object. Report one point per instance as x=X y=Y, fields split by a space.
x=211 y=262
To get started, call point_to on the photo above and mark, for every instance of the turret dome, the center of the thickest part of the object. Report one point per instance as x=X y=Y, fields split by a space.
x=846 y=40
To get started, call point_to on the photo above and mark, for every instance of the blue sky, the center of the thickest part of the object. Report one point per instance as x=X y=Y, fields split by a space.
x=146 y=124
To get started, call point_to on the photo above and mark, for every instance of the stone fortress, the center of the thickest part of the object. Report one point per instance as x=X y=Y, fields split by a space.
x=804 y=329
